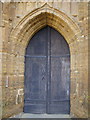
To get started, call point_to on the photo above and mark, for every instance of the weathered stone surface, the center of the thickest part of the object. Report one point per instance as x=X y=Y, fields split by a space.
x=20 y=21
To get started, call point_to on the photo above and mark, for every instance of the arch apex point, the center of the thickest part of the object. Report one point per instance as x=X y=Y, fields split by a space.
x=46 y=5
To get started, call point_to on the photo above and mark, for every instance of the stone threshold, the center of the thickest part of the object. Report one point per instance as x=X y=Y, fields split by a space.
x=28 y=115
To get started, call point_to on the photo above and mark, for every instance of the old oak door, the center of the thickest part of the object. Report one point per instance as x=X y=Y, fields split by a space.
x=47 y=73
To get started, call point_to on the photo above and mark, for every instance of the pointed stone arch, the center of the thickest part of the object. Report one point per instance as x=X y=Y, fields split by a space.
x=41 y=17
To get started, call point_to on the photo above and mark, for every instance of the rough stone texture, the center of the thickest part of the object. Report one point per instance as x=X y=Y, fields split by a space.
x=0 y=60
x=20 y=21
x=88 y=59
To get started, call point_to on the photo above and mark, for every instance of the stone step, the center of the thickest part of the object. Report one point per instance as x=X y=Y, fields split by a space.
x=27 y=115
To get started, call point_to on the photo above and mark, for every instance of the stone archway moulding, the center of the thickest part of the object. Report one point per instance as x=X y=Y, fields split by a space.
x=41 y=17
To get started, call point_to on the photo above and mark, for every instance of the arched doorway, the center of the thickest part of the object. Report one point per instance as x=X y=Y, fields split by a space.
x=47 y=73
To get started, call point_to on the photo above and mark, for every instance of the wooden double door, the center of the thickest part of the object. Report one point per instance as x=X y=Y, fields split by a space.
x=47 y=73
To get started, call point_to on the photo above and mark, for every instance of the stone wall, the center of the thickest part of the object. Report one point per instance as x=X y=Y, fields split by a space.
x=0 y=60
x=19 y=22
